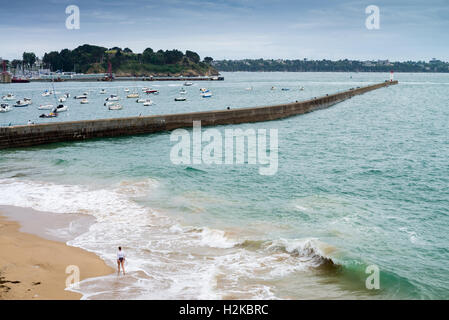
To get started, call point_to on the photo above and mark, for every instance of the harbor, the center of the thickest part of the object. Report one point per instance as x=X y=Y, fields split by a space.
x=30 y=135
x=106 y=77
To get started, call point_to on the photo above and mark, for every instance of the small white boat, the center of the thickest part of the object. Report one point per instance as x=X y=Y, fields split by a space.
x=144 y=89
x=83 y=96
x=113 y=97
x=133 y=95
x=46 y=107
x=181 y=99
x=67 y=95
x=182 y=91
x=188 y=84
x=4 y=107
x=84 y=101
x=9 y=97
x=206 y=95
x=273 y=88
x=204 y=90
x=103 y=91
x=110 y=103
x=28 y=100
x=21 y=103
x=148 y=102
x=62 y=99
x=46 y=94
x=85 y=93
x=60 y=108
x=302 y=88
x=115 y=107
x=249 y=89
x=126 y=90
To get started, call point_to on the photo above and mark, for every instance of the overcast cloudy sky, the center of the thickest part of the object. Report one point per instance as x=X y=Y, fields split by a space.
x=233 y=29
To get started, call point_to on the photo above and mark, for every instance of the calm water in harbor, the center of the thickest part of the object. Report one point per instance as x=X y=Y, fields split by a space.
x=365 y=182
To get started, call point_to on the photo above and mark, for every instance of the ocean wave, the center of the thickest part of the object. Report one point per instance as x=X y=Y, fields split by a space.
x=58 y=162
x=192 y=169
x=311 y=251
x=168 y=260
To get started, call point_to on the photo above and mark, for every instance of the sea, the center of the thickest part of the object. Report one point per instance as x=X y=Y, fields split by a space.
x=357 y=209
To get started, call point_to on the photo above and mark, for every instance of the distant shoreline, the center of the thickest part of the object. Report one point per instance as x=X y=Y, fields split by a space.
x=326 y=65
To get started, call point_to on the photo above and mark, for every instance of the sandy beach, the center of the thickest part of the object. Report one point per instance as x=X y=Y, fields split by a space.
x=32 y=267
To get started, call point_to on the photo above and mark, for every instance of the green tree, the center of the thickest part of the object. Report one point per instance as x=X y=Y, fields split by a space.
x=173 y=56
x=193 y=56
x=208 y=60
x=15 y=63
x=148 y=55
x=29 y=59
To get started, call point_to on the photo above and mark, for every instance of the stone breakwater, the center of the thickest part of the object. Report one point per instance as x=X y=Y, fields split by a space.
x=31 y=135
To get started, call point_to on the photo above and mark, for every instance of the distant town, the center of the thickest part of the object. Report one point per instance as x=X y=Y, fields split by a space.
x=306 y=65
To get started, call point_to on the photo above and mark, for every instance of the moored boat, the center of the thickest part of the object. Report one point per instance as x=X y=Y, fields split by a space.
x=180 y=99
x=60 y=108
x=49 y=115
x=115 y=107
x=21 y=103
x=84 y=101
x=46 y=107
x=113 y=97
x=19 y=80
x=82 y=96
x=148 y=102
x=4 y=107
x=9 y=97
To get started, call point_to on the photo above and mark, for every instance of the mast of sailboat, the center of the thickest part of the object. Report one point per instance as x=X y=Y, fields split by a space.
x=54 y=91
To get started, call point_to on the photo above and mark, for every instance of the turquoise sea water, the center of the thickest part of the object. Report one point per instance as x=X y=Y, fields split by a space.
x=362 y=183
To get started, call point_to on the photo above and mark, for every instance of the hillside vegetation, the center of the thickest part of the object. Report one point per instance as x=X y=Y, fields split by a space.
x=94 y=59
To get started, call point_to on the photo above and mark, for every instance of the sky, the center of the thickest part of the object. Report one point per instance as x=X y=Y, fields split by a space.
x=233 y=29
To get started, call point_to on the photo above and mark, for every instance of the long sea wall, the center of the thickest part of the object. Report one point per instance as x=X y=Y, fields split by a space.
x=30 y=135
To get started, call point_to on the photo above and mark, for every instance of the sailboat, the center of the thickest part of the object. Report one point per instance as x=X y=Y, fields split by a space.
x=60 y=107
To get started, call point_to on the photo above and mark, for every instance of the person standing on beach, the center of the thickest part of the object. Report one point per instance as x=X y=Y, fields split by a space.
x=120 y=260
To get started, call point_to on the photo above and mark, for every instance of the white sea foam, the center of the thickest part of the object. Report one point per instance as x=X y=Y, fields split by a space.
x=215 y=238
x=165 y=260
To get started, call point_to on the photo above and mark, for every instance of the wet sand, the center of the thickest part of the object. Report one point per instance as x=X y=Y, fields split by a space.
x=34 y=267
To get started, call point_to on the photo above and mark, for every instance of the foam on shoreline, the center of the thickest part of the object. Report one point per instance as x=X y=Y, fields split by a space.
x=32 y=267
